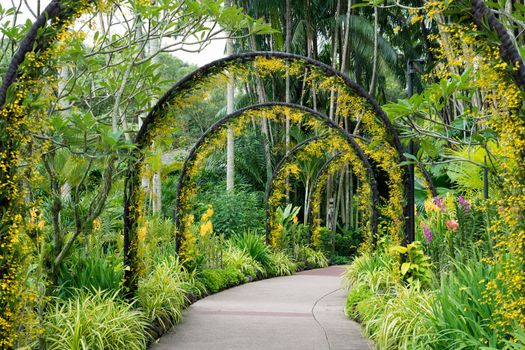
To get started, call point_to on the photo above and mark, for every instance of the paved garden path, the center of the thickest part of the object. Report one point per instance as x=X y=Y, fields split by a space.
x=304 y=311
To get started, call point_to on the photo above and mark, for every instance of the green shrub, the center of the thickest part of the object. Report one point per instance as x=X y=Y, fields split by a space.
x=235 y=211
x=374 y=270
x=239 y=259
x=161 y=294
x=356 y=295
x=339 y=260
x=415 y=266
x=215 y=280
x=212 y=280
x=347 y=242
x=358 y=272
x=253 y=244
x=403 y=322
x=159 y=240
x=460 y=316
x=96 y=271
x=370 y=309
x=310 y=258
x=281 y=264
x=232 y=277
x=95 y=321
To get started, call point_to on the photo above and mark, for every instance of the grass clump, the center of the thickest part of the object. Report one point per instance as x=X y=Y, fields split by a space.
x=95 y=321
x=281 y=264
x=162 y=294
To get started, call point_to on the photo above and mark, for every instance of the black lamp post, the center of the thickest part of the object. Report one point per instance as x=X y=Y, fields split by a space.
x=410 y=224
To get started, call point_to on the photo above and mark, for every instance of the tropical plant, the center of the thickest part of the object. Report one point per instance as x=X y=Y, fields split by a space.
x=281 y=264
x=414 y=265
x=95 y=321
x=162 y=294
x=96 y=271
x=310 y=258
x=235 y=211
x=460 y=316
x=239 y=259
x=253 y=244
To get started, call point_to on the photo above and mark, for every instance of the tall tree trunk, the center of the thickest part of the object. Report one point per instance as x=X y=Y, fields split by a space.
x=230 y=149
x=156 y=181
x=333 y=107
x=261 y=94
x=373 y=80
x=287 y=43
x=346 y=41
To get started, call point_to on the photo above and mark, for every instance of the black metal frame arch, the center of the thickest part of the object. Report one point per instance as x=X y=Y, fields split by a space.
x=315 y=186
x=132 y=183
x=286 y=160
x=183 y=178
x=219 y=65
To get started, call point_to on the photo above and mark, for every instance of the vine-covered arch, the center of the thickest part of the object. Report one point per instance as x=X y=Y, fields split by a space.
x=215 y=134
x=336 y=163
x=313 y=147
x=351 y=98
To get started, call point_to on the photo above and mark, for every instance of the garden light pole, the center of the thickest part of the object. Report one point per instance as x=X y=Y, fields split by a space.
x=410 y=227
x=485 y=179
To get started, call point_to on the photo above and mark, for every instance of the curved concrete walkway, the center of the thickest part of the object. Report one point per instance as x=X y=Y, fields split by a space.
x=304 y=311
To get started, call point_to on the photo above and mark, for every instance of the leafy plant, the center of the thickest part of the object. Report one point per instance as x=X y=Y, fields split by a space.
x=95 y=321
x=96 y=271
x=235 y=211
x=403 y=323
x=415 y=266
x=253 y=244
x=237 y=258
x=310 y=258
x=161 y=294
x=281 y=264
x=356 y=295
x=216 y=280
x=461 y=317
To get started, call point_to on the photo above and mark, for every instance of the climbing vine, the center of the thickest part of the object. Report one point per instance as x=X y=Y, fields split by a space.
x=495 y=72
x=23 y=114
x=215 y=137
x=356 y=110
x=332 y=145
x=339 y=162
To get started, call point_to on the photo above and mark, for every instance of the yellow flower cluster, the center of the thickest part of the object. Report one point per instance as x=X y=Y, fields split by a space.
x=206 y=227
x=464 y=48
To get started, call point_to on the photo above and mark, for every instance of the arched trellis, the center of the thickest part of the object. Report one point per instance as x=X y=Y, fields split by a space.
x=289 y=158
x=185 y=176
x=180 y=91
x=334 y=163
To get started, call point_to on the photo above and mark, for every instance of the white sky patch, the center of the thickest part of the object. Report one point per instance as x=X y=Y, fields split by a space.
x=214 y=50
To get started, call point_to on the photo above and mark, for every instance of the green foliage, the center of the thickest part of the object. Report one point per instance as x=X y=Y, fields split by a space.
x=95 y=271
x=460 y=316
x=281 y=264
x=356 y=295
x=235 y=211
x=162 y=294
x=215 y=280
x=285 y=217
x=415 y=266
x=159 y=240
x=95 y=321
x=309 y=258
x=347 y=243
x=402 y=323
x=393 y=314
x=253 y=244
x=239 y=259
x=339 y=260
